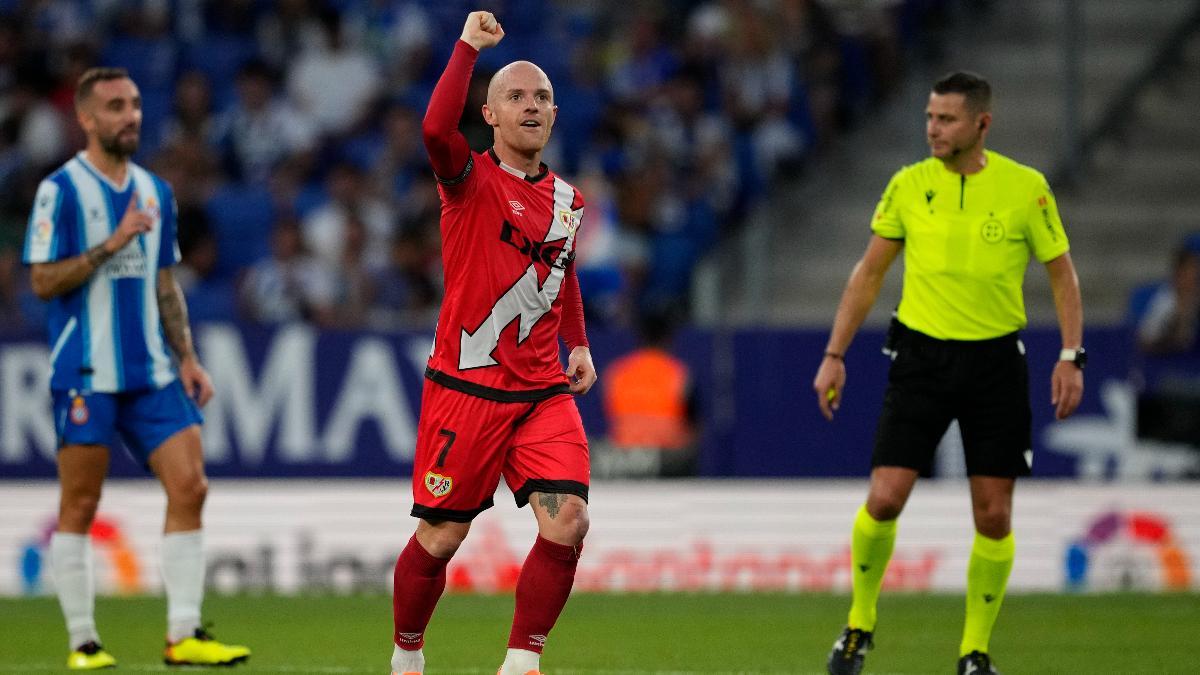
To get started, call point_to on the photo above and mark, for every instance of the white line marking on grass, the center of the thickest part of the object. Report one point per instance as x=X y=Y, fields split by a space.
x=144 y=668
x=342 y=670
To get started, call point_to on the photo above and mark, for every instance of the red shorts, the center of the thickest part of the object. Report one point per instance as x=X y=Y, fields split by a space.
x=465 y=443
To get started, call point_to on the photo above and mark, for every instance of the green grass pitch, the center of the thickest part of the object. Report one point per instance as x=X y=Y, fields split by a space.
x=657 y=633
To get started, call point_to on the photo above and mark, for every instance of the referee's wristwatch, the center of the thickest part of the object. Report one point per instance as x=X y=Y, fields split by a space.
x=1077 y=356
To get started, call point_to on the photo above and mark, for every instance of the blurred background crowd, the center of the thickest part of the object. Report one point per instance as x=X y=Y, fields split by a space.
x=290 y=131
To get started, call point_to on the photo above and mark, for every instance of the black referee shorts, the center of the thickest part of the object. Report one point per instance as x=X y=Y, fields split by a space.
x=983 y=384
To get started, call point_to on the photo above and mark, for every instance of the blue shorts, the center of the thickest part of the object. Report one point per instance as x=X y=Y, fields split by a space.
x=144 y=418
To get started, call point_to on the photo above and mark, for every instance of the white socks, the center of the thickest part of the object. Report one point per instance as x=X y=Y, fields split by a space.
x=183 y=579
x=71 y=561
x=405 y=661
x=520 y=661
x=516 y=662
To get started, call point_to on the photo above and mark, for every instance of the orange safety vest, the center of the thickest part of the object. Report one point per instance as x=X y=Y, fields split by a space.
x=645 y=398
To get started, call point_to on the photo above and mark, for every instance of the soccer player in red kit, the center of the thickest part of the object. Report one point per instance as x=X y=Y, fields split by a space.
x=496 y=401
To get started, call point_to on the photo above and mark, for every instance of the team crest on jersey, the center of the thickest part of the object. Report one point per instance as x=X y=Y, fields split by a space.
x=151 y=208
x=569 y=220
x=437 y=484
x=79 y=411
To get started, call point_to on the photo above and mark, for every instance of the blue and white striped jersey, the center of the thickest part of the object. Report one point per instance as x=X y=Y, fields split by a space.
x=106 y=335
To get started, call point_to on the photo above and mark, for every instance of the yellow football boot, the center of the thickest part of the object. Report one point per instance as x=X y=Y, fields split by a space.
x=90 y=656
x=202 y=650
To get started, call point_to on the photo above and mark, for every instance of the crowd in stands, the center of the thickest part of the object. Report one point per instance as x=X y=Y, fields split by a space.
x=290 y=130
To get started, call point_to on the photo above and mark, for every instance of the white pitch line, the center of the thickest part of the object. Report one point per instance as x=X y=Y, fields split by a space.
x=342 y=670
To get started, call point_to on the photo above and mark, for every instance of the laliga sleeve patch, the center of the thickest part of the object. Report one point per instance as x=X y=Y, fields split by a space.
x=437 y=484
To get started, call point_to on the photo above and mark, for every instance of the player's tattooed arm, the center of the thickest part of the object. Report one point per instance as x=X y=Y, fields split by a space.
x=52 y=279
x=98 y=255
x=172 y=310
x=552 y=503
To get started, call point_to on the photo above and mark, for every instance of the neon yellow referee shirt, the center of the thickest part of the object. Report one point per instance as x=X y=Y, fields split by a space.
x=967 y=242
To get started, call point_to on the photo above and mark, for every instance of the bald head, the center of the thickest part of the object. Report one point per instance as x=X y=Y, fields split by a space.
x=520 y=109
x=518 y=75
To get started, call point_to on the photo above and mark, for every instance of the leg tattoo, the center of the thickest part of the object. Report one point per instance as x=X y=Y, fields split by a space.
x=552 y=503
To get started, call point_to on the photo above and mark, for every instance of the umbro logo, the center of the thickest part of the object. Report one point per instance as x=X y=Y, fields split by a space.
x=516 y=207
x=410 y=638
x=929 y=195
x=537 y=640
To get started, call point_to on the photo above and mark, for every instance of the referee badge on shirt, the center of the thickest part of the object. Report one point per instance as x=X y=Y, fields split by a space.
x=79 y=411
x=437 y=484
x=992 y=231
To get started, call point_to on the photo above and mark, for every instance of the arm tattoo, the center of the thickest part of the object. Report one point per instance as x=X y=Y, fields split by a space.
x=97 y=255
x=172 y=311
x=552 y=504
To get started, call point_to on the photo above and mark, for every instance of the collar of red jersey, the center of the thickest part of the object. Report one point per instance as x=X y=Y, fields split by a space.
x=517 y=172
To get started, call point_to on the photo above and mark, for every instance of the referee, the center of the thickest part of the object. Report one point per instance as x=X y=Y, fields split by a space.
x=967 y=219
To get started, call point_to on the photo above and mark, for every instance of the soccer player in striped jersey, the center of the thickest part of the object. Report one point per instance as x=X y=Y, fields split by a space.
x=101 y=243
x=496 y=401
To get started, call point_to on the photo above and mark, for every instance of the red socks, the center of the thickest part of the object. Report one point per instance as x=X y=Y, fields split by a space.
x=418 y=583
x=542 y=591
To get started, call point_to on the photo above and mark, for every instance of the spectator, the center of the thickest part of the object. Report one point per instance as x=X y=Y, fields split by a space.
x=601 y=250
x=644 y=60
x=335 y=83
x=758 y=81
x=397 y=34
x=396 y=165
x=406 y=290
x=1169 y=323
x=191 y=117
x=288 y=31
x=209 y=296
x=291 y=285
x=354 y=276
x=36 y=125
x=349 y=197
x=650 y=403
x=259 y=130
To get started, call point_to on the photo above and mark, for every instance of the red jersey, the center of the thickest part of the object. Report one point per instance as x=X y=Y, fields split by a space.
x=507 y=249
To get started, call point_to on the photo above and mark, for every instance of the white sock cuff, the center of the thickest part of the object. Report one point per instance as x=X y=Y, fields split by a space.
x=520 y=661
x=406 y=661
x=183 y=542
x=71 y=564
x=69 y=541
x=183 y=576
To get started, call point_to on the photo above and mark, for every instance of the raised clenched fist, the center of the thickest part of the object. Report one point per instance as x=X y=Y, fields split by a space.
x=482 y=30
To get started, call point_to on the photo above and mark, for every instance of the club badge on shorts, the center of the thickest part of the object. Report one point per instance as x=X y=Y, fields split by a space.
x=79 y=411
x=437 y=484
